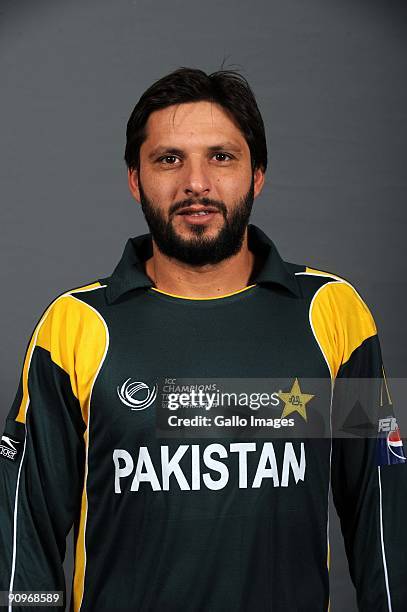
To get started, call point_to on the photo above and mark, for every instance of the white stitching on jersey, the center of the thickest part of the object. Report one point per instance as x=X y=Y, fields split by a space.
x=87 y=438
x=330 y=405
x=386 y=577
x=330 y=412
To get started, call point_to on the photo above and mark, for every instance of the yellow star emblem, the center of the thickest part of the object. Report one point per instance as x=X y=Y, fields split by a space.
x=295 y=401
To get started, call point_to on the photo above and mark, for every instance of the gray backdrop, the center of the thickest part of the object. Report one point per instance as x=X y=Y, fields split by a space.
x=330 y=79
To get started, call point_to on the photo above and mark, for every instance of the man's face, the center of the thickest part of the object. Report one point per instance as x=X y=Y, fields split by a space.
x=195 y=156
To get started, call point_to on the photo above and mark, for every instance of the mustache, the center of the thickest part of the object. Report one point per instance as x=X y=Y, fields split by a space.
x=203 y=201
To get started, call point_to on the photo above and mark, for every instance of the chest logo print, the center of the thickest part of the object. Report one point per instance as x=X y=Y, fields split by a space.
x=295 y=401
x=128 y=390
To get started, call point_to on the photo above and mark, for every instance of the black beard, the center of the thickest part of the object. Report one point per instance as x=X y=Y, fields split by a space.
x=200 y=250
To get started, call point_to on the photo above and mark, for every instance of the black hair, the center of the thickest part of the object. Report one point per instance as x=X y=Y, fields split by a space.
x=228 y=88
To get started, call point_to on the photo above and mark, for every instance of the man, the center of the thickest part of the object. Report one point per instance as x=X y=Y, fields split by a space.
x=179 y=500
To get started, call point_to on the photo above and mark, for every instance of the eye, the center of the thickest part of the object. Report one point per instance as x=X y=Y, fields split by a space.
x=224 y=154
x=166 y=157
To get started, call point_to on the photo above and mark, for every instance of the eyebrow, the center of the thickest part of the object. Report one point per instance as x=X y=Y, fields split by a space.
x=174 y=151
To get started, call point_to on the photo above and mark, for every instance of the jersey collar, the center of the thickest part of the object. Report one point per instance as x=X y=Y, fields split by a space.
x=129 y=273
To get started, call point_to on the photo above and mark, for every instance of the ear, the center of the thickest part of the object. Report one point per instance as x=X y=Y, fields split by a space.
x=259 y=180
x=132 y=179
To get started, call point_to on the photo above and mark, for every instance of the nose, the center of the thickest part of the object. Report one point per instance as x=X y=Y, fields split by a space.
x=197 y=181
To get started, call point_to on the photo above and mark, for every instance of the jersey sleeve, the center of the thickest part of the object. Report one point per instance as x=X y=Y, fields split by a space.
x=368 y=466
x=42 y=455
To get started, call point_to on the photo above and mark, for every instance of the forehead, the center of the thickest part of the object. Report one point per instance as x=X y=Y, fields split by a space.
x=191 y=122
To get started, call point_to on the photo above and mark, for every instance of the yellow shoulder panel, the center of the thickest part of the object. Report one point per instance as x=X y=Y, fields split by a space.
x=76 y=337
x=340 y=319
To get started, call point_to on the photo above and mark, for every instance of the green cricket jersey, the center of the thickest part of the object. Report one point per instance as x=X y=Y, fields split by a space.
x=192 y=443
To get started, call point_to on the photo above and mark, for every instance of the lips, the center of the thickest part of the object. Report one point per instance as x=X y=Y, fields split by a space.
x=197 y=209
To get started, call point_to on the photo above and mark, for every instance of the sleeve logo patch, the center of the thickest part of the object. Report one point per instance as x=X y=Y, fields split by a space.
x=389 y=443
x=9 y=448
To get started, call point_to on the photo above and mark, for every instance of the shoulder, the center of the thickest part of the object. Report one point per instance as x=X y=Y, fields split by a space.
x=70 y=306
x=339 y=316
x=332 y=291
x=69 y=336
x=70 y=326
